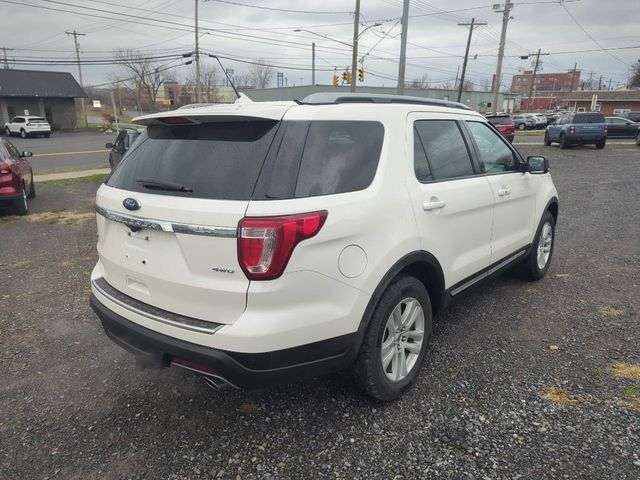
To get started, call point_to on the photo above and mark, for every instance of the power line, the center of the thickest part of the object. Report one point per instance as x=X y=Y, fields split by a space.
x=315 y=12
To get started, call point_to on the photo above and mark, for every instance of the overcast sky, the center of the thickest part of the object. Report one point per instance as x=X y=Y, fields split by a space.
x=436 y=42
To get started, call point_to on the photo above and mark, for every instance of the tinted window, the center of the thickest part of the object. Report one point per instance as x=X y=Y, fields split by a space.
x=339 y=157
x=588 y=118
x=493 y=152
x=216 y=160
x=445 y=148
x=500 y=120
x=420 y=162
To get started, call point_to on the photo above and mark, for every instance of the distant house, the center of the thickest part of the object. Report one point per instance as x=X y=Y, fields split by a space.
x=609 y=102
x=32 y=92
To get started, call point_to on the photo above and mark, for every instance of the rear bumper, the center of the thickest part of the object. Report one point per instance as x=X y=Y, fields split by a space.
x=242 y=370
x=585 y=138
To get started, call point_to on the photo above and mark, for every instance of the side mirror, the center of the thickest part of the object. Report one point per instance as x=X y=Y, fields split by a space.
x=109 y=145
x=26 y=154
x=537 y=164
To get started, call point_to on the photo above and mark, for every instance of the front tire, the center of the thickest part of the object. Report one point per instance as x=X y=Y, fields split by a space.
x=563 y=142
x=32 y=190
x=522 y=126
x=395 y=344
x=21 y=206
x=538 y=260
x=547 y=142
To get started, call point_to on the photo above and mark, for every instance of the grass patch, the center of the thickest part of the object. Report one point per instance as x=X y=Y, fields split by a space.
x=632 y=391
x=633 y=403
x=609 y=311
x=66 y=217
x=626 y=370
x=69 y=169
x=99 y=177
x=558 y=395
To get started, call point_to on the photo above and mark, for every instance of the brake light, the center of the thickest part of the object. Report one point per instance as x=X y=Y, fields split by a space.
x=4 y=168
x=177 y=121
x=606 y=129
x=572 y=129
x=265 y=244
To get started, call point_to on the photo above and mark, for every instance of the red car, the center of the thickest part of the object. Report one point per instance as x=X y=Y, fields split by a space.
x=504 y=124
x=16 y=178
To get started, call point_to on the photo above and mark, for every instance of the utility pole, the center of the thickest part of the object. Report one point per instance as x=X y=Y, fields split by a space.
x=403 y=46
x=600 y=83
x=471 y=24
x=115 y=112
x=197 y=59
x=506 y=15
x=313 y=64
x=5 y=58
x=533 y=80
x=573 y=75
x=354 y=54
x=609 y=88
x=75 y=40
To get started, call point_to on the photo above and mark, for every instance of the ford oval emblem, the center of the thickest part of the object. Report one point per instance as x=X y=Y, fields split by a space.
x=131 y=203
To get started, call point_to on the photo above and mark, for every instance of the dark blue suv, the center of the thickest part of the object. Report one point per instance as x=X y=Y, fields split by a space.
x=578 y=129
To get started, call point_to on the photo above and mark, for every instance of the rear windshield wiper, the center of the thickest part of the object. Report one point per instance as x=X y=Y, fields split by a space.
x=158 y=184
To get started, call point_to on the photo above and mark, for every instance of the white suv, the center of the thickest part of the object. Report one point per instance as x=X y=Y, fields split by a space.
x=260 y=242
x=27 y=126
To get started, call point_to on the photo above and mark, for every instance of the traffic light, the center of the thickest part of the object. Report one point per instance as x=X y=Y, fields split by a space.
x=345 y=78
x=361 y=74
x=335 y=80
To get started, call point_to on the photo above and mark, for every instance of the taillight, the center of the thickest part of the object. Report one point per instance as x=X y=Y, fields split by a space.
x=572 y=129
x=265 y=244
x=606 y=129
x=4 y=168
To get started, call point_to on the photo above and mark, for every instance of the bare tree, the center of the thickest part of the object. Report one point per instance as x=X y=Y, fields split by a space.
x=634 y=80
x=260 y=75
x=422 y=82
x=468 y=85
x=146 y=75
x=485 y=84
x=208 y=83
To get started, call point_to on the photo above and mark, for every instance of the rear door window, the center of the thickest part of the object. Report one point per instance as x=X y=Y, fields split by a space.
x=445 y=148
x=339 y=157
x=219 y=161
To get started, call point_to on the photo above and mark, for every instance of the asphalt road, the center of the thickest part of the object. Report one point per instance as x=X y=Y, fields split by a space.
x=66 y=151
x=75 y=407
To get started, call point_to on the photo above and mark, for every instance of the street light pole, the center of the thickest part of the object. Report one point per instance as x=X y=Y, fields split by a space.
x=313 y=64
x=403 y=47
x=354 y=53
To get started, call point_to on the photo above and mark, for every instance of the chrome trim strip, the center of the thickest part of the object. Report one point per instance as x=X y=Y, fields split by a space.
x=140 y=223
x=492 y=270
x=186 y=322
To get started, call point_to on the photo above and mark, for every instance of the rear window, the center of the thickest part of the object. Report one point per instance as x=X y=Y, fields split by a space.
x=588 y=118
x=36 y=119
x=219 y=161
x=316 y=158
x=500 y=120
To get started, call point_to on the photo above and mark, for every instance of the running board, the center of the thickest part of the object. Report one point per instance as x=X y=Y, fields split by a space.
x=487 y=273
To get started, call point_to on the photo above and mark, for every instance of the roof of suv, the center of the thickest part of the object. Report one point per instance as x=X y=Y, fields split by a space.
x=275 y=110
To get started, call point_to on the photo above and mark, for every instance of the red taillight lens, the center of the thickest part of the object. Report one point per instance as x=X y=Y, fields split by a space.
x=572 y=129
x=265 y=244
x=606 y=129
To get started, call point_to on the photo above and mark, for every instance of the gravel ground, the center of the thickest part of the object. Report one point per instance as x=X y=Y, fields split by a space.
x=75 y=407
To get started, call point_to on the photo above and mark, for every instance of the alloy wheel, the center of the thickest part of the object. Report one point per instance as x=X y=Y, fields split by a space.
x=402 y=339
x=544 y=245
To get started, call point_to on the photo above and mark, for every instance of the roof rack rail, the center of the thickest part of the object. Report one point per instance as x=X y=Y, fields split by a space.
x=328 y=98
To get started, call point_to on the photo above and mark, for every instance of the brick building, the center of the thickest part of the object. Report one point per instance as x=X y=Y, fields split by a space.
x=547 y=90
x=609 y=102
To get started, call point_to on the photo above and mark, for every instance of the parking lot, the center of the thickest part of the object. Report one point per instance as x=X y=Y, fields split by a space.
x=519 y=382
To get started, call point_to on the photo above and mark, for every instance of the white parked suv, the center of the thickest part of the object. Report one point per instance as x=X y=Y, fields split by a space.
x=256 y=243
x=27 y=126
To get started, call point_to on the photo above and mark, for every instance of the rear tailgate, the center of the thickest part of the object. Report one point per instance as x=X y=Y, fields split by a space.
x=177 y=249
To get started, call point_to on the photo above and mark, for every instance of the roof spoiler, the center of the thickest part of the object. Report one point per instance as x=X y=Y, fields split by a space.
x=328 y=98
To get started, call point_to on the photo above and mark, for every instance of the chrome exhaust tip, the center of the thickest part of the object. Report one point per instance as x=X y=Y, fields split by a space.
x=216 y=383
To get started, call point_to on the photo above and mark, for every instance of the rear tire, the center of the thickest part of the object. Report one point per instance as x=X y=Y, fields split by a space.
x=563 y=142
x=21 y=206
x=600 y=145
x=522 y=126
x=547 y=142
x=7 y=132
x=638 y=139
x=537 y=262
x=393 y=333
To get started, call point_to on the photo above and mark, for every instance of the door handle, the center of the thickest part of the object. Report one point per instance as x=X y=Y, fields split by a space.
x=433 y=205
x=504 y=191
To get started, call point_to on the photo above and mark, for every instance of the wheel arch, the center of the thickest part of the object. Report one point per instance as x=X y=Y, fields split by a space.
x=553 y=207
x=419 y=264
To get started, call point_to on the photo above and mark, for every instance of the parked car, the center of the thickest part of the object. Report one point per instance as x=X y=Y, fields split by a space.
x=503 y=124
x=122 y=144
x=621 y=127
x=257 y=243
x=27 y=126
x=638 y=138
x=633 y=116
x=523 y=122
x=540 y=121
x=578 y=129
x=16 y=178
